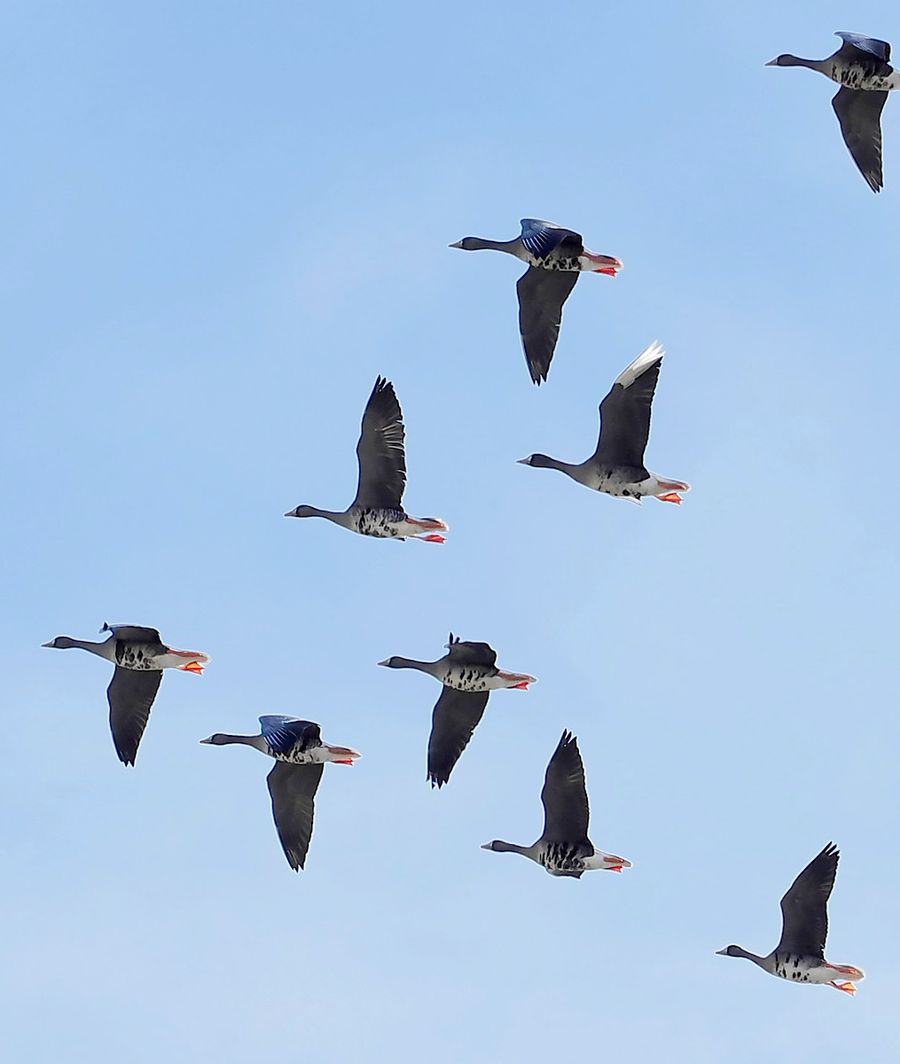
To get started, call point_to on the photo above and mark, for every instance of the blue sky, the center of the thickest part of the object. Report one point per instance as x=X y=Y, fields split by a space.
x=220 y=225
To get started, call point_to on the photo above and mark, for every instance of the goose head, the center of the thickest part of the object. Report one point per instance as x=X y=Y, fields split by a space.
x=539 y=461
x=787 y=60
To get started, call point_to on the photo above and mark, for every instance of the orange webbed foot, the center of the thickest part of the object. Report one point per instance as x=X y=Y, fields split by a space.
x=192 y=666
x=848 y=988
x=671 y=496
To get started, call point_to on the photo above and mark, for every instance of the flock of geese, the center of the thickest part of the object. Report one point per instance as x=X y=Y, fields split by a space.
x=468 y=672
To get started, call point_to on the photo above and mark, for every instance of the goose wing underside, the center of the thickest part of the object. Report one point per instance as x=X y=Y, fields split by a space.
x=542 y=294
x=130 y=695
x=859 y=114
x=380 y=451
x=564 y=797
x=804 y=909
x=293 y=792
x=625 y=420
x=456 y=715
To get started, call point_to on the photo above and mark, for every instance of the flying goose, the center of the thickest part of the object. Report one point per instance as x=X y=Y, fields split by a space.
x=300 y=756
x=564 y=848
x=555 y=257
x=468 y=673
x=800 y=954
x=139 y=656
x=617 y=465
x=862 y=67
x=377 y=509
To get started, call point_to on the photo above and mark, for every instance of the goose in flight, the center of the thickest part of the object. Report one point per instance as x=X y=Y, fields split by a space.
x=564 y=848
x=862 y=67
x=139 y=656
x=300 y=756
x=617 y=465
x=468 y=672
x=555 y=256
x=377 y=509
x=800 y=954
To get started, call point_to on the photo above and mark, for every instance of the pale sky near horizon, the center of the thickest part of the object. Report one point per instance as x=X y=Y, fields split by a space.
x=221 y=222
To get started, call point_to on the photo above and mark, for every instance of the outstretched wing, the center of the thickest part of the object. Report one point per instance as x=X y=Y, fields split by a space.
x=542 y=294
x=625 y=412
x=456 y=715
x=130 y=696
x=293 y=792
x=564 y=797
x=382 y=460
x=859 y=114
x=804 y=909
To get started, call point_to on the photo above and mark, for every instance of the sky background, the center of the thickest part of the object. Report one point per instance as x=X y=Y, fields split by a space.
x=221 y=221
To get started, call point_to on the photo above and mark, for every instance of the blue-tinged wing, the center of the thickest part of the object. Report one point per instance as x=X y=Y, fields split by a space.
x=284 y=734
x=880 y=49
x=543 y=238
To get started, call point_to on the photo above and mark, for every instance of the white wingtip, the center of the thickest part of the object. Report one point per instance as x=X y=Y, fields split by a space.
x=646 y=358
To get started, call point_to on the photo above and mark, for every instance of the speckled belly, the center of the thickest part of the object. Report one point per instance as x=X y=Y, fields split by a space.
x=623 y=484
x=135 y=656
x=468 y=679
x=859 y=77
x=554 y=263
x=383 y=524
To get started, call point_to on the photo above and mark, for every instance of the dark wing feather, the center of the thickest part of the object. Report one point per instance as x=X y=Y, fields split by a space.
x=293 y=791
x=542 y=294
x=859 y=113
x=133 y=633
x=625 y=419
x=804 y=910
x=542 y=239
x=466 y=652
x=456 y=715
x=564 y=797
x=382 y=460
x=857 y=47
x=285 y=733
x=130 y=695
